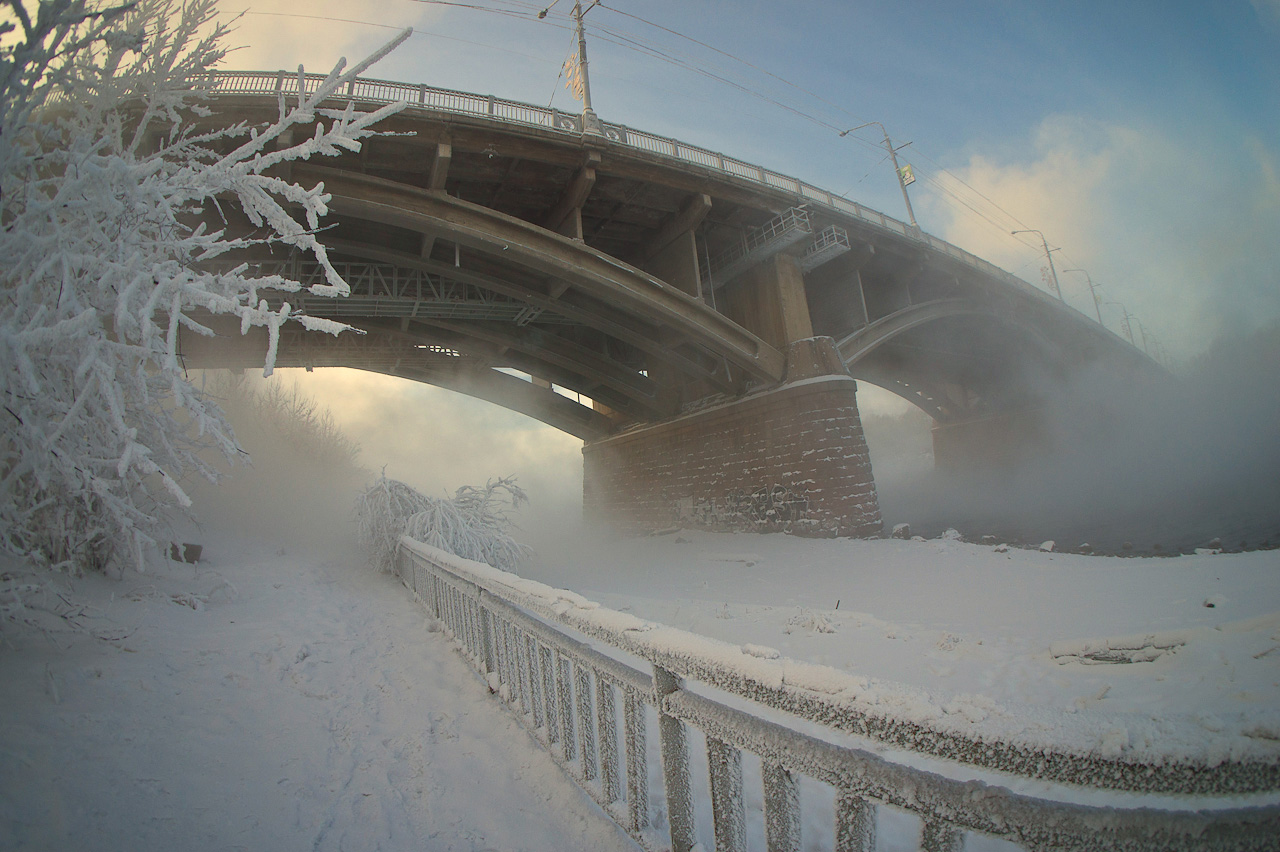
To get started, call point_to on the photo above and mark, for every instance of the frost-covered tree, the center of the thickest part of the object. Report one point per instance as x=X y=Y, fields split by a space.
x=473 y=524
x=110 y=174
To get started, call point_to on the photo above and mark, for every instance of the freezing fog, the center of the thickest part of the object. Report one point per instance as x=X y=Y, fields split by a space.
x=1168 y=466
x=284 y=694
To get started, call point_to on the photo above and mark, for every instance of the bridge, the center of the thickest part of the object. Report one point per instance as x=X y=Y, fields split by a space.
x=699 y=321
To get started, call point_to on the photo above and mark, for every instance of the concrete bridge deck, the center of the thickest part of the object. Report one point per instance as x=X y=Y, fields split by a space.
x=495 y=248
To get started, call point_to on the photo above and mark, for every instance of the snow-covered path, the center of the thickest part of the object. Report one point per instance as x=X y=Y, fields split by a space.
x=303 y=703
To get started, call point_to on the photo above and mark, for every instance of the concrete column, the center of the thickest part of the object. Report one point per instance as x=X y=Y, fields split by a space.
x=792 y=458
x=677 y=264
x=769 y=300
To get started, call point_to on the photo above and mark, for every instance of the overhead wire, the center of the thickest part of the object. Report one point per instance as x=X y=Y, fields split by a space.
x=529 y=11
x=664 y=56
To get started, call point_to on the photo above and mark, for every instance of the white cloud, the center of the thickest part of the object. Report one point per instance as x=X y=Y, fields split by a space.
x=279 y=34
x=1184 y=231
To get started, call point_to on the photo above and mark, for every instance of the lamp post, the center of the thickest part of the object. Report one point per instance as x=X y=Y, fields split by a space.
x=590 y=121
x=1048 y=253
x=1092 y=292
x=1142 y=328
x=1128 y=329
x=897 y=171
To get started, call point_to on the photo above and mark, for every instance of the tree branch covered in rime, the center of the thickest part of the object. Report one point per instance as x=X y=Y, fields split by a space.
x=110 y=173
x=474 y=524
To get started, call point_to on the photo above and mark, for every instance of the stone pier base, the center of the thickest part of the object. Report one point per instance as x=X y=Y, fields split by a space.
x=792 y=459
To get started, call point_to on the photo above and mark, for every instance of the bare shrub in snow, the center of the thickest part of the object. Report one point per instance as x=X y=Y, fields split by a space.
x=473 y=524
x=110 y=175
x=292 y=418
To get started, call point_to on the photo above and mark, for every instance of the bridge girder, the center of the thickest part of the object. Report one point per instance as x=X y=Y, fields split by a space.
x=557 y=228
x=529 y=247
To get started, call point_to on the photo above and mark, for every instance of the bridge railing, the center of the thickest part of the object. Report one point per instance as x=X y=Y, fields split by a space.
x=488 y=106
x=596 y=686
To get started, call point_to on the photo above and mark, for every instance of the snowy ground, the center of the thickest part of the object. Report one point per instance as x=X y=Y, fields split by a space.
x=1019 y=627
x=299 y=700
x=303 y=703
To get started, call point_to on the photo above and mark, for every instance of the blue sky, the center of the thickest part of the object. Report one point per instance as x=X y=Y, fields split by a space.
x=1142 y=137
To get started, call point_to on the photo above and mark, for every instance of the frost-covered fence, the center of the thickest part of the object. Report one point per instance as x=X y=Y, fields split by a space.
x=421 y=96
x=622 y=705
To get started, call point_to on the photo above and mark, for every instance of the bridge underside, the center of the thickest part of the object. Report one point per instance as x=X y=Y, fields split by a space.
x=621 y=297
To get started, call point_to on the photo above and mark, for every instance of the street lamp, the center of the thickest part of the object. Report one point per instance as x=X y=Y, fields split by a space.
x=1049 y=254
x=1142 y=328
x=1128 y=329
x=893 y=155
x=590 y=121
x=1092 y=291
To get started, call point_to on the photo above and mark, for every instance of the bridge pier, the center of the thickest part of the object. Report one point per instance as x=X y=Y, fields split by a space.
x=790 y=458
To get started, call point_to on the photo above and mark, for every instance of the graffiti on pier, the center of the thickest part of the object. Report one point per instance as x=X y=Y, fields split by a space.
x=770 y=508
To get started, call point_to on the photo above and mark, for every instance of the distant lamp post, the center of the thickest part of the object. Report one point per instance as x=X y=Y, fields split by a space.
x=905 y=176
x=1092 y=292
x=1142 y=328
x=1048 y=253
x=1125 y=324
x=579 y=83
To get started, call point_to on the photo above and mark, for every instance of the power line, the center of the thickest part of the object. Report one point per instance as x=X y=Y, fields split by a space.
x=416 y=32
x=728 y=55
x=527 y=11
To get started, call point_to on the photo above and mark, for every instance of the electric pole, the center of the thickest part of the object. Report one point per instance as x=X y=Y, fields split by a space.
x=897 y=170
x=1048 y=253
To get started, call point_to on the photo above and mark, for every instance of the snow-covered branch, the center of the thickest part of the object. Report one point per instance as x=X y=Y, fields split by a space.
x=109 y=175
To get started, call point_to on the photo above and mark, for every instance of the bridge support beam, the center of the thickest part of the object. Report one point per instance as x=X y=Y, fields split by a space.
x=770 y=301
x=791 y=458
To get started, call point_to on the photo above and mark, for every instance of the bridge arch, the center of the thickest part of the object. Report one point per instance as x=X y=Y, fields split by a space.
x=665 y=283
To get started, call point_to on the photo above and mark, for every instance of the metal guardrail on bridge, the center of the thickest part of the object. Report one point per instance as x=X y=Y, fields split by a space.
x=571 y=670
x=499 y=109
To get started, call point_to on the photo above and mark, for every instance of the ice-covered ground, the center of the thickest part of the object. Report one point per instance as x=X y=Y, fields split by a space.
x=268 y=701
x=298 y=700
x=1196 y=637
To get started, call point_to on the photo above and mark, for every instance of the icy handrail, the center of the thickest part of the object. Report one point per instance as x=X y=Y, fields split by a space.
x=566 y=690
x=1031 y=742
x=423 y=96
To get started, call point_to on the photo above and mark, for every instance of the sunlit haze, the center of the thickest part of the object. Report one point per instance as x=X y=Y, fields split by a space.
x=1142 y=139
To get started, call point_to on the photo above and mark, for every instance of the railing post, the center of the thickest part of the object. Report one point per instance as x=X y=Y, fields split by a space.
x=486 y=636
x=637 y=762
x=535 y=686
x=492 y=105
x=607 y=736
x=547 y=663
x=433 y=591
x=586 y=723
x=855 y=824
x=513 y=663
x=781 y=809
x=725 y=765
x=565 y=690
x=674 y=747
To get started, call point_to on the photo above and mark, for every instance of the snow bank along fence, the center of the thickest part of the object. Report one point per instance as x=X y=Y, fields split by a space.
x=424 y=97
x=559 y=662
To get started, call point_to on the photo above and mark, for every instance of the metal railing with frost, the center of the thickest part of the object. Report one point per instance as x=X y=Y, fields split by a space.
x=276 y=83
x=593 y=684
